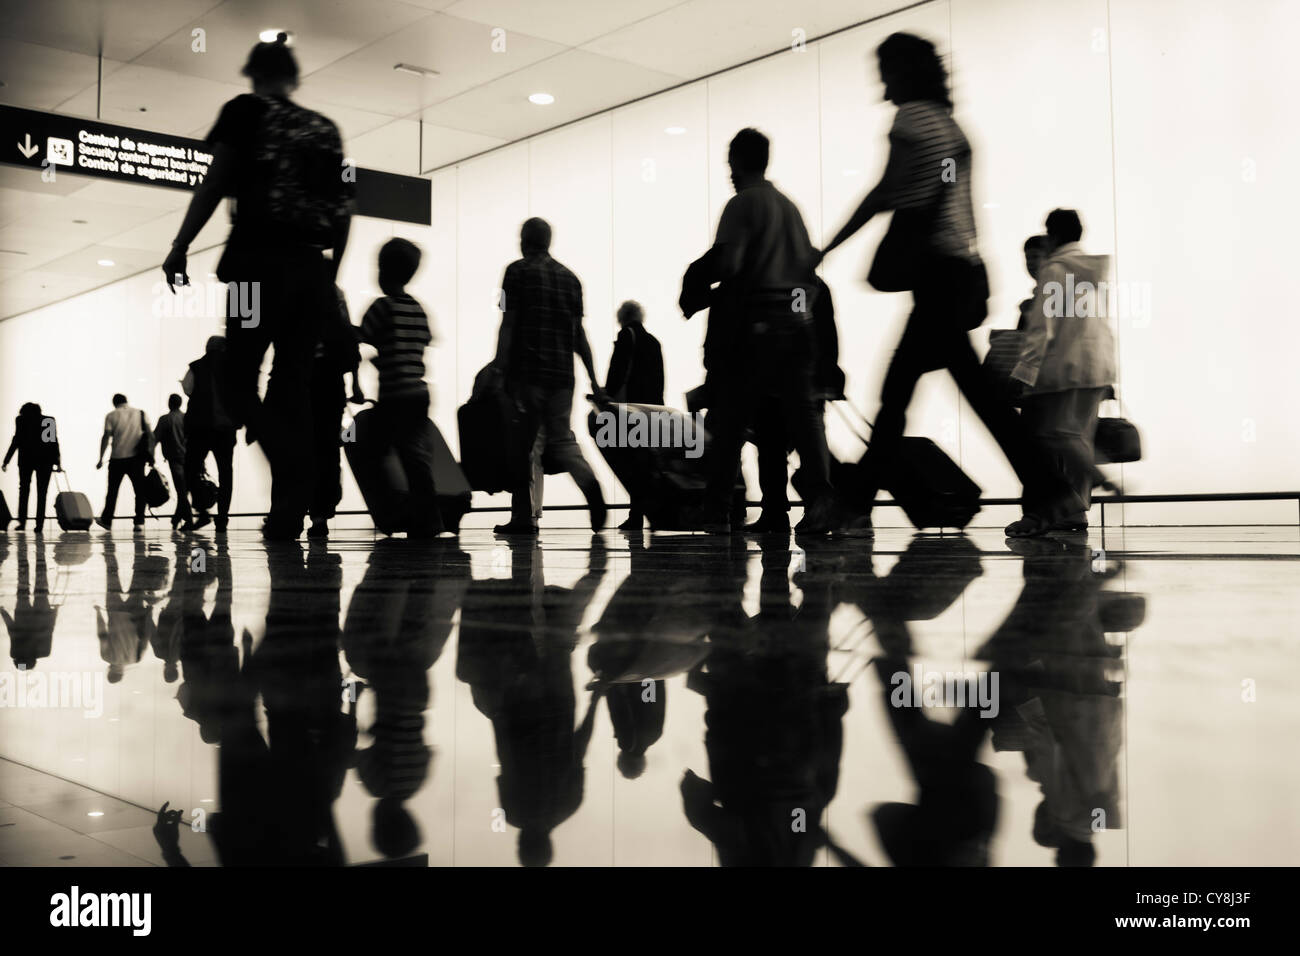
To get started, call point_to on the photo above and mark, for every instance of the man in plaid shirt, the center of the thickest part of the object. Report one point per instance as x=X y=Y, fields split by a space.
x=541 y=329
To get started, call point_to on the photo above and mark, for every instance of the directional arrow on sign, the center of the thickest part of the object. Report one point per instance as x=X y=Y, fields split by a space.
x=28 y=149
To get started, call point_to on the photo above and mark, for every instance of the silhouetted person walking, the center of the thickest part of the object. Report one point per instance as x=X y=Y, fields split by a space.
x=336 y=356
x=398 y=328
x=1067 y=360
x=541 y=329
x=283 y=166
x=169 y=434
x=127 y=430
x=933 y=254
x=36 y=442
x=210 y=427
x=762 y=254
x=636 y=374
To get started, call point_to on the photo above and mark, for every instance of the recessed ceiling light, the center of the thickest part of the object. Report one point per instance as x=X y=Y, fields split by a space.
x=416 y=70
x=270 y=36
x=95 y=813
x=675 y=130
x=107 y=262
x=541 y=99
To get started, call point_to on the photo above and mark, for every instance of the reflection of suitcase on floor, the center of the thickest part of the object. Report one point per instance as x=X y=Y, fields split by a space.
x=382 y=481
x=490 y=439
x=932 y=491
x=72 y=508
x=664 y=481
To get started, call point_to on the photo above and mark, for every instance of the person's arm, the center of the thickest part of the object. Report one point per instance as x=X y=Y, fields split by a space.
x=187 y=383
x=509 y=316
x=339 y=240
x=620 y=363
x=881 y=199
x=728 y=252
x=583 y=348
x=1037 y=336
x=203 y=204
x=13 y=447
x=103 y=442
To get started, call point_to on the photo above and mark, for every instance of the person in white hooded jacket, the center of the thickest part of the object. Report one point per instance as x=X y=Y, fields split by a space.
x=1067 y=357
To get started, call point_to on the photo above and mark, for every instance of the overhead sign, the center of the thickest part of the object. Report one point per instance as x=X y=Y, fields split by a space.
x=123 y=154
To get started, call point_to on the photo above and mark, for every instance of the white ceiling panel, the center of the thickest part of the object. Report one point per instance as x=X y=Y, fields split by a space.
x=571 y=22
x=172 y=103
x=462 y=52
x=443 y=145
x=41 y=77
x=579 y=81
x=120 y=29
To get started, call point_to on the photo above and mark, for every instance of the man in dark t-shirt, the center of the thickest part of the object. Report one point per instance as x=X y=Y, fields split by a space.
x=636 y=374
x=541 y=329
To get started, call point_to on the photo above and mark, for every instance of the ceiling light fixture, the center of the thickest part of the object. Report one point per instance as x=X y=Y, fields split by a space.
x=675 y=130
x=541 y=99
x=415 y=70
x=107 y=262
x=270 y=36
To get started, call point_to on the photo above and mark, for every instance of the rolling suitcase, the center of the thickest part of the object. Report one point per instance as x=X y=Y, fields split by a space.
x=383 y=483
x=932 y=491
x=664 y=481
x=491 y=438
x=6 y=515
x=72 y=508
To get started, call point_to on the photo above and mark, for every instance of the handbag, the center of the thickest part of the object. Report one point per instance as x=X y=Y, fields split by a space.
x=154 y=487
x=147 y=441
x=1116 y=440
x=900 y=258
x=204 y=493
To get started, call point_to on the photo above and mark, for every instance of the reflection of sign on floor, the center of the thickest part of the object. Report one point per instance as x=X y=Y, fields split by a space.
x=58 y=151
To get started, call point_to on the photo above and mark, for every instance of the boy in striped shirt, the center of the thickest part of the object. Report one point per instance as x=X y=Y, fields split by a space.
x=397 y=327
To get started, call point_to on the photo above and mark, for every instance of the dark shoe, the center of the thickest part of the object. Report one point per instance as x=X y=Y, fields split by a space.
x=632 y=525
x=221 y=525
x=1030 y=526
x=511 y=527
x=818 y=518
x=1070 y=526
x=858 y=526
x=203 y=519
x=277 y=530
x=106 y=525
x=702 y=519
x=770 y=524
x=319 y=529
x=19 y=526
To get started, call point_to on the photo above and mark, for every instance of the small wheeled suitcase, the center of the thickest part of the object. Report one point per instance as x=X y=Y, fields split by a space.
x=6 y=515
x=72 y=508
x=154 y=487
x=932 y=491
x=383 y=483
x=666 y=478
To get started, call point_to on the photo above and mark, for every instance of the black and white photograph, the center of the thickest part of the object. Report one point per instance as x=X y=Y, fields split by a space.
x=712 y=440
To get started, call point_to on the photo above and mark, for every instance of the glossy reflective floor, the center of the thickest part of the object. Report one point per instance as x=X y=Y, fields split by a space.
x=672 y=700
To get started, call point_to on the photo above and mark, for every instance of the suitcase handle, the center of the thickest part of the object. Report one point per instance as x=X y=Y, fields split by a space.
x=853 y=428
x=66 y=480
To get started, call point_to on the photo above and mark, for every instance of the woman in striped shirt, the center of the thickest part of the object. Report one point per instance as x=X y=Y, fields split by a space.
x=927 y=185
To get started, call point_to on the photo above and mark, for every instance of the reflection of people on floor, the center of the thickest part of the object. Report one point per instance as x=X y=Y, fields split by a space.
x=204 y=645
x=31 y=624
x=516 y=641
x=398 y=622
x=653 y=627
x=773 y=725
x=125 y=623
x=166 y=640
x=1066 y=713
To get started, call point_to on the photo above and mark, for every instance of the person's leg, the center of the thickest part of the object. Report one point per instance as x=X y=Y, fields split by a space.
x=223 y=451
x=328 y=401
x=909 y=363
x=792 y=369
x=24 y=492
x=198 y=442
x=773 y=462
x=526 y=500
x=181 y=488
x=562 y=444
x=116 y=471
x=409 y=428
x=43 y=473
x=135 y=471
x=732 y=397
x=1064 y=423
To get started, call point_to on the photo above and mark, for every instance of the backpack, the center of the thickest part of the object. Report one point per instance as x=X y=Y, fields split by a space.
x=302 y=157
